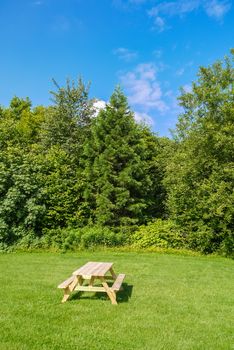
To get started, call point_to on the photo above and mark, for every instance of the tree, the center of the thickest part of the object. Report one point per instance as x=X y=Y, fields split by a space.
x=68 y=120
x=117 y=166
x=201 y=174
x=65 y=130
x=21 y=209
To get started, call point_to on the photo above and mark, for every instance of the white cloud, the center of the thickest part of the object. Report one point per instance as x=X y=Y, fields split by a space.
x=166 y=9
x=143 y=118
x=140 y=117
x=217 y=9
x=174 y=8
x=143 y=88
x=98 y=106
x=125 y=54
x=160 y=23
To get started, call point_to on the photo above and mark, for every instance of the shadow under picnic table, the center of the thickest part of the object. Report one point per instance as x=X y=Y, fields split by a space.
x=123 y=296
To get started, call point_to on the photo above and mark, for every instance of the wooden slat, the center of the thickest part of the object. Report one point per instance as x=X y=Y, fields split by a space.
x=66 y=283
x=118 y=282
x=98 y=269
x=85 y=268
x=88 y=272
x=102 y=269
x=90 y=289
x=93 y=267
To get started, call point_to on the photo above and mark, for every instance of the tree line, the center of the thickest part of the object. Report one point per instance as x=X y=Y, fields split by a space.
x=67 y=175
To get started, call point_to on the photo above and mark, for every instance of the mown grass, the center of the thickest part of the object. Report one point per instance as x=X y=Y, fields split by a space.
x=170 y=302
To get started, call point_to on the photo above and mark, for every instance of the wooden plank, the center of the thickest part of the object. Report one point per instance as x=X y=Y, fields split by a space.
x=118 y=282
x=95 y=266
x=74 y=283
x=66 y=295
x=90 y=289
x=84 y=269
x=114 y=276
x=92 y=271
x=66 y=283
x=98 y=269
x=87 y=268
x=110 y=293
x=91 y=281
x=102 y=269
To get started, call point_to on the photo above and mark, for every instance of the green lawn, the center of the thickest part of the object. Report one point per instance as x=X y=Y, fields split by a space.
x=170 y=302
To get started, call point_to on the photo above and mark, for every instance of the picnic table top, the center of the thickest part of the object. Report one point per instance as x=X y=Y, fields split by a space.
x=92 y=268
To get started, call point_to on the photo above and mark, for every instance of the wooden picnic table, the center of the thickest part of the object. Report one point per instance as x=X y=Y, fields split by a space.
x=86 y=276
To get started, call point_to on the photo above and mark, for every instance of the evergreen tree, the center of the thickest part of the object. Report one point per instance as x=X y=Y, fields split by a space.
x=116 y=167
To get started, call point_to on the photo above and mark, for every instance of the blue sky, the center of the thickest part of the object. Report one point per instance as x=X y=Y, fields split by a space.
x=149 y=47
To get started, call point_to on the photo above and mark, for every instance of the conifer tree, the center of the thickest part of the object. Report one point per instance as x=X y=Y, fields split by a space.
x=117 y=182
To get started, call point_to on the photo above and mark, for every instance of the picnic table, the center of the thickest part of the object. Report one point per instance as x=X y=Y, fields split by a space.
x=85 y=278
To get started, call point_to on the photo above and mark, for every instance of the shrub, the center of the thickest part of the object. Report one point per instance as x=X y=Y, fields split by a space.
x=160 y=233
x=86 y=237
x=100 y=236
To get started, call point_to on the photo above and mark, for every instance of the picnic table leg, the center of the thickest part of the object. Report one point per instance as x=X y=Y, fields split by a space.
x=114 y=276
x=70 y=288
x=91 y=281
x=66 y=294
x=111 y=294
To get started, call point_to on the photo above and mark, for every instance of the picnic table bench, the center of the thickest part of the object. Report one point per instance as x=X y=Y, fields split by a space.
x=92 y=272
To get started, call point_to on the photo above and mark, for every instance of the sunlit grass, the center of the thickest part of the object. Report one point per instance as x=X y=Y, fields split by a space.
x=170 y=302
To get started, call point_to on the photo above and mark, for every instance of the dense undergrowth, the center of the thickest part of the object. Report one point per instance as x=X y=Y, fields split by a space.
x=159 y=236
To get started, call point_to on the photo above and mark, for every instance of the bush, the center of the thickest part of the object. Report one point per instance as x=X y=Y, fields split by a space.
x=227 y=245
x=160 y=233
x=86 y=237
x=100 y=236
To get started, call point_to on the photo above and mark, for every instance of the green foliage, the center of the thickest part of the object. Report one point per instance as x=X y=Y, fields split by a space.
x=98 y=236
x=60 y=189
x=21 y=208
x=160 y=233
x=104 y=176
x=200 y=176
x=60 y=167
x=123 y=183
x=73 y=238
x=39 y=170
x=68 y=121
x=62 y=141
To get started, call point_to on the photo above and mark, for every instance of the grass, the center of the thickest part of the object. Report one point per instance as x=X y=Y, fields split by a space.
x=170 y=302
